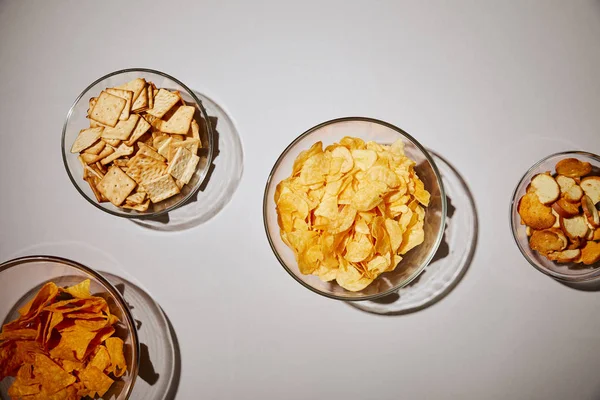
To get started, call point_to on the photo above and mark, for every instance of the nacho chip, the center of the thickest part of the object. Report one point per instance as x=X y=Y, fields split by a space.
x=73 y=344
x=52 y=377
x=95 y=380
x=80 y=290
x=118 y=365
x=101 y=358
x=108 y=109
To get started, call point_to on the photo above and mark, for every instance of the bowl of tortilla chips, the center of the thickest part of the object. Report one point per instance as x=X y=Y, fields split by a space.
x=137 y=143
x=67 y=333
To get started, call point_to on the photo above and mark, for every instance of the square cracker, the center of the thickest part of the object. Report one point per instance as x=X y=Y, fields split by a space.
x=180 y=122
x=141 y=128
x=141 y=103
x=116 y=185
x=161 y=188
x=189 y=144
x=163 y=102
x=150 y=152
x=143 y=168
x=86 y=138
x=122 y=130
x=142 y=207
x=108 y=109
x=136 y=86
x=124 y=94
x=183 y=165
x=194 y=132
x=97 y=148
x=137 y=198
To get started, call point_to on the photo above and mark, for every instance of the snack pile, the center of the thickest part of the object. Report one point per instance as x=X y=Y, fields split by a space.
x=561 y=215
x=349 y=212
x=62 y=346
x=141 y=146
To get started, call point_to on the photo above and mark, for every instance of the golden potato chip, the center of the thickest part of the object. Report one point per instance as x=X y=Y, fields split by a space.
x=349 y=211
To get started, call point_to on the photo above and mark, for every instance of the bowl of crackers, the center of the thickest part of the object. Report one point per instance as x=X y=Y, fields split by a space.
x=354 y=209
x=554 y=216
x=137 y=143
x=67 y=333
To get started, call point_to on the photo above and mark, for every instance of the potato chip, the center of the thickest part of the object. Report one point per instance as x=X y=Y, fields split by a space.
x=349 y=211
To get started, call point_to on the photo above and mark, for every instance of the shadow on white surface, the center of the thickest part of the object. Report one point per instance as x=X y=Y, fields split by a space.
x=160 y=357
x=221 y=183
x=452 y=259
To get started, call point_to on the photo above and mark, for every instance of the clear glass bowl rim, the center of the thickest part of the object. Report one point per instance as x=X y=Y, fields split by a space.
x=201 y=179
x=513 y=209
x=438 y=177
x=111 y=289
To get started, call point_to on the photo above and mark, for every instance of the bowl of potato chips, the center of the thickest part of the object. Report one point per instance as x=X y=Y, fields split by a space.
x=137 y=143
x=67 y=333
x=354 y=208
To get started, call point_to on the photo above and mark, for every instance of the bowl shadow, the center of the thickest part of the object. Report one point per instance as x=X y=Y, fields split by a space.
x=159 y=370
x=221 y=181
x=452 y=259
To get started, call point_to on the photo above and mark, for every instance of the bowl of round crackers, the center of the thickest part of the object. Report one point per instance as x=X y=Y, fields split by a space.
x=67 y=333
x=555 y=217
x=137 y=143
x=354 y=209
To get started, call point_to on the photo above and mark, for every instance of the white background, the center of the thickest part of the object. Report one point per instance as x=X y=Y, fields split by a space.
x=493 y=86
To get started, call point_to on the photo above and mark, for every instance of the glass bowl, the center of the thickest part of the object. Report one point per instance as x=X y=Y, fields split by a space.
x=564 y=272
x=381 y=132
x=21 y=279
x=76 y=120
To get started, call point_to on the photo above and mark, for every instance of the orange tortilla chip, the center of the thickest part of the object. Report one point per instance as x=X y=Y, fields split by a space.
x=71 y=366
x=25 y=384
x=92 y=324
x=79 y=291
x=55 y=319
x=46 y=294
x=118 y=366
x=101 y=359
x=95 y=380
x=19 y=334
x=101 y=336
x=52 y=377
x=73 y=344
x=92 y=304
